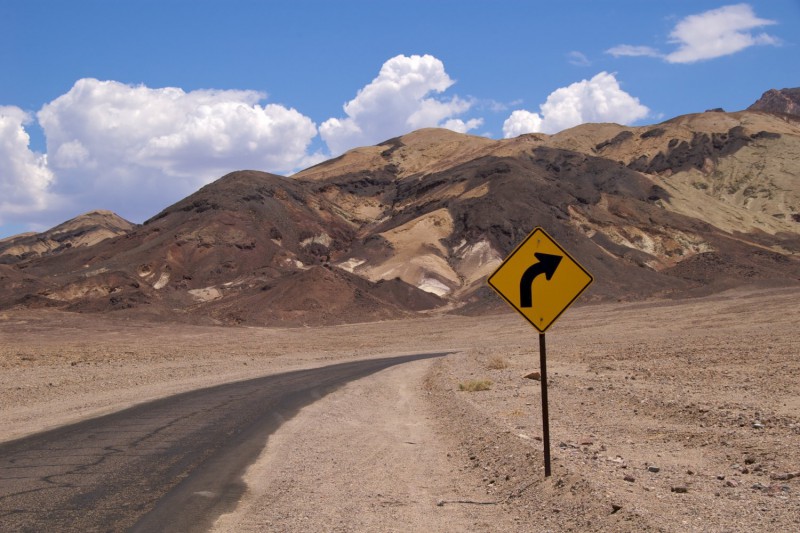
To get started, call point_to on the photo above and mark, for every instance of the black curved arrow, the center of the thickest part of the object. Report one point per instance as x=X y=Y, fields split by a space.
x=547 y=265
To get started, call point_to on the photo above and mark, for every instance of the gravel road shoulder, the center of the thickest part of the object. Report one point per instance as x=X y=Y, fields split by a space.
x=368 y=457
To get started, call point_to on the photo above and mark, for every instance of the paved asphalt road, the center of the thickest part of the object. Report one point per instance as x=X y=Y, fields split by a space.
x=173 y=464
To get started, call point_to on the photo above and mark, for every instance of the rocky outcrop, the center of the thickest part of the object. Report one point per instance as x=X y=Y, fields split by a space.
x=785 y=101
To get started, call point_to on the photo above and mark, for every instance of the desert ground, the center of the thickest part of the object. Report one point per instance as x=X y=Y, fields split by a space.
x=668 y=415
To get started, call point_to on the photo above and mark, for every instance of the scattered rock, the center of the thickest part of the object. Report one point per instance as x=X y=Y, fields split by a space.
x=758 y=425
x=653 y=468
x=629 y=478
x=783 y=476
x=586 y=441
x=615 y=507
x=731 y=483
x=536 y=376
x=680 y=489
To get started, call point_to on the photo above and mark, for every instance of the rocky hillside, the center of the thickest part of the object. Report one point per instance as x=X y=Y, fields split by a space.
x=84 y=230
x=786 y=101
x=695 y=204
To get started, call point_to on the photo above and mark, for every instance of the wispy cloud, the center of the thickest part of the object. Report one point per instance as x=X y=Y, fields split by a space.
x=629 y=50
x=708 y=35
x=578 y=59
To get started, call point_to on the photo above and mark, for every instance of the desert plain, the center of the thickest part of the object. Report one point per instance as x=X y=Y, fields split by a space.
x=665 y=415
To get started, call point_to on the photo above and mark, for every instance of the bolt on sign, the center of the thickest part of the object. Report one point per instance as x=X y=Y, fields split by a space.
x=540 y=279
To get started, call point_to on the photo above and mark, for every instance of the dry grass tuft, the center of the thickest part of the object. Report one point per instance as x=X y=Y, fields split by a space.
x=475 y=385
x=497 y=362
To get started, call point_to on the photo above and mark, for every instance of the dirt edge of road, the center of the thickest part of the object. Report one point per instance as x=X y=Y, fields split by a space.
x=664 y=416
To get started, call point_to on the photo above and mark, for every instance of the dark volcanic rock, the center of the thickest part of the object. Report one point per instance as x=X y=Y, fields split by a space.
x=683 y=155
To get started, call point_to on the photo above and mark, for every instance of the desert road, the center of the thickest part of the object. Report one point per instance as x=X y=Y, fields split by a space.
x=172 y=464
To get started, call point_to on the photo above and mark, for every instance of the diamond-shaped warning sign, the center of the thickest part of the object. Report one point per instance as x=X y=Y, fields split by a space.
x=540 y=279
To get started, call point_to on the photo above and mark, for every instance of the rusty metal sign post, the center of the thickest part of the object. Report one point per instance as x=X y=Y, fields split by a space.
x=540 y=280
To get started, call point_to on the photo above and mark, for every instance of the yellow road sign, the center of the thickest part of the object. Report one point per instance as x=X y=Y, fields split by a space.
x=540 y=279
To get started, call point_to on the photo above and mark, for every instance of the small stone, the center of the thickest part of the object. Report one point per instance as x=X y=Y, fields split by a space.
x=536 y=376
x=749 y=460
x=629 y=478
x=680 y=489
x=615 y=507
x=586 y=441
x=731 y=483
x=758 y=425
x=653 y=468
x=745 y=470
x=757 y=486
x=782 y=476
x=721 y=477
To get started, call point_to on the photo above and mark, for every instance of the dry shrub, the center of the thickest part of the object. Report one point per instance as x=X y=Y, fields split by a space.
x=475 y=385
x=497 y=362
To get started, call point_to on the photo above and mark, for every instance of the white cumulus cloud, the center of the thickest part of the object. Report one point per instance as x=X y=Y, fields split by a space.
x=25 y=178
x=460 y=126
x=716 y=33
x=521 y=121
x=397 y=101
x=134 y=149
x=599 y=99
x=708 y=35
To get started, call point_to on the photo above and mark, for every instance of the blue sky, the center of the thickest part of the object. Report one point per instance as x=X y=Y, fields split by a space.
x=132 y=105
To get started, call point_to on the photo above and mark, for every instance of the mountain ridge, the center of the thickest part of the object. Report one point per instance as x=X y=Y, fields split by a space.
x=84 y=230
x=692 y=205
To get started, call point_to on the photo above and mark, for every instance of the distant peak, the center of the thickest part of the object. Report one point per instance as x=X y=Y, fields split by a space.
x=785 y=101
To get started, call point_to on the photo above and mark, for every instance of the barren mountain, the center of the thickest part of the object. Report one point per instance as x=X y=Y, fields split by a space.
x=695 y=204
x=84 y=230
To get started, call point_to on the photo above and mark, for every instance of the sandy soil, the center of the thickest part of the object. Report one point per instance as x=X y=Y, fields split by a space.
x=665 y=416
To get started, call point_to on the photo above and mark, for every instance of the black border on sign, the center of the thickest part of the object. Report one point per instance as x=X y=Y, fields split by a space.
x=513 y=252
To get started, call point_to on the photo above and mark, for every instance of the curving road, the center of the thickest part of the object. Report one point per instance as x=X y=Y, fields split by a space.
x=169 y=465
